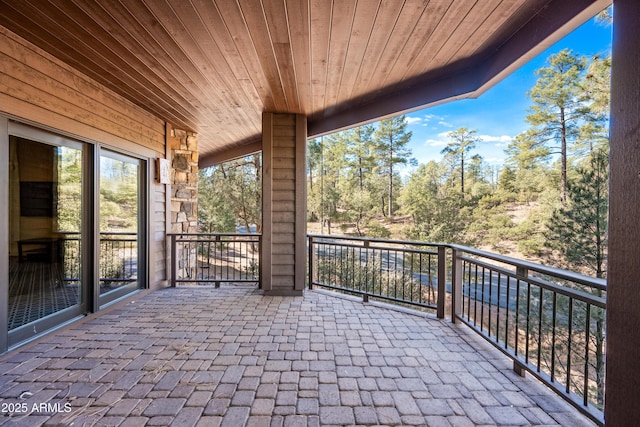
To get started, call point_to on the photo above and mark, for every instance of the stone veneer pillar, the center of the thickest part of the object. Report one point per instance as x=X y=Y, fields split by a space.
x=184 y=181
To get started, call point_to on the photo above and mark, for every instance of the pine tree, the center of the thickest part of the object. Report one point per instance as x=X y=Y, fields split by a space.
x=461 y=142
x=579 y=232
x=558 y=107
x=391 y=139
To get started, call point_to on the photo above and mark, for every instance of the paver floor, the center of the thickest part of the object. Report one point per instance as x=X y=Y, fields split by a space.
x=233 y=357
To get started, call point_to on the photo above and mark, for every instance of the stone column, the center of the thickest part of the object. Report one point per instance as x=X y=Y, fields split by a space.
x=184 y=181
x=184 y=195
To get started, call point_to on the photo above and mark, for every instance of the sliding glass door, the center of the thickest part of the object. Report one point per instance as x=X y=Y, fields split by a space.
x=75 y=221
x=46 y=214
x=120 y=225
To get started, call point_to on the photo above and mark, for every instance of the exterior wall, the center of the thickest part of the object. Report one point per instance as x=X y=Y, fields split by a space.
x=623 y=293
x=37 y=89
x=284 y=204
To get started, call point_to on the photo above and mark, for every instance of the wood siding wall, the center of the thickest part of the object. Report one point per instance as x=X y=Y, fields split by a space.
x=37 y=89
x=284 y=203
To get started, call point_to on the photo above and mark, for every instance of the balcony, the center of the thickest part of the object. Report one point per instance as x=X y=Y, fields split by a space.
x=196 y=355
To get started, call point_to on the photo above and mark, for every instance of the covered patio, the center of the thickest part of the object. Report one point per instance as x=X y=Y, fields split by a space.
x=168 y=87
x=231 y=356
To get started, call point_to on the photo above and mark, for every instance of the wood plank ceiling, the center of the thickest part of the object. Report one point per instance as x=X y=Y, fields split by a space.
x=213 y=66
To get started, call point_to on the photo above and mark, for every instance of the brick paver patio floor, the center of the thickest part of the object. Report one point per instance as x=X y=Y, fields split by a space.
x=232 y=357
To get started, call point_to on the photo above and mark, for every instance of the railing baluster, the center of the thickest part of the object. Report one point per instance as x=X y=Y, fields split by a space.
x=527 y=333
x=570 y=332
x=553 y=336
x=498 y=308
x=587 y=337
x=517 y=319
x=507 y=310
x=475 y=292
x=540 y=314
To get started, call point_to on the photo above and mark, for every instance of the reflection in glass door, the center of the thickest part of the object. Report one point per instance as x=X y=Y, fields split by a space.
x=45 y=223
x=120 y=224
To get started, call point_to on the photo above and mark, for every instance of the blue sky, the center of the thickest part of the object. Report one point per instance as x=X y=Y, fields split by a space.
x=499 y=114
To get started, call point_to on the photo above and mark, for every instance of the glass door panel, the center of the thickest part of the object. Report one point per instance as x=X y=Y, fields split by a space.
x=45 y=223
x=119 y=222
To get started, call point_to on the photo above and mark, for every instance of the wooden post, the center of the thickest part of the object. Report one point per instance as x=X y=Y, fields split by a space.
x=284 y=140
x=623 y=293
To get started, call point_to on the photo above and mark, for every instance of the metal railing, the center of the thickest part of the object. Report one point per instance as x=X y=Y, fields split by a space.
x=118 y=257
x=410 y=273
x=199 y=258
x=550 y=322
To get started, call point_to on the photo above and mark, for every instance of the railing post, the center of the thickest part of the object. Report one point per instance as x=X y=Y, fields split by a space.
x=456 y=285
x=521 y=271
x=442 y=281
x=260 y=261
x=174 y=260
x=365 y=296
x=311 y=259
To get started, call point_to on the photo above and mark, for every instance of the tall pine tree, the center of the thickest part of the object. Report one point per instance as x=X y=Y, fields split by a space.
x=558 y=107
x=391 y=139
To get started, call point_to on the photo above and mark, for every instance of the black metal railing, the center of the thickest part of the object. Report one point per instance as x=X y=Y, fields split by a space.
x=550 y=322
x=200 y=258
x=118 y=257
x=410 y=273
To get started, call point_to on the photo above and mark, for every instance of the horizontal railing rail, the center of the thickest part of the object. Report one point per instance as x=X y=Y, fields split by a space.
x=201 y=258
x=550 y=322
x=411 y=273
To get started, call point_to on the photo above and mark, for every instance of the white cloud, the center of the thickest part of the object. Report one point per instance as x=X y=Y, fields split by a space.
x=413 y=120
x=435 y=143
x=494 y=160
x=445 y=124
x=501 y=139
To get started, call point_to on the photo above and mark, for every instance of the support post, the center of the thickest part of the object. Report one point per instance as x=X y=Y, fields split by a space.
x=311 y=261
x=174 y=260
x=284 y=219
x=622 y=391
x=456 y=285
x=442 y=281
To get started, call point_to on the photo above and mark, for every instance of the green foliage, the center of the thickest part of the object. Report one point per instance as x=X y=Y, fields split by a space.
x=230 y=194
x=69 y=196
x=559 y=107
x=118 y=195
x=391 y=139
x=490 y=223
x=461 y=141
x=578 y=230
x=375 y=229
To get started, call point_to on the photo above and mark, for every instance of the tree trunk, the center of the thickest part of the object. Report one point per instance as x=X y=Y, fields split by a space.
x=462 y=173
x=563 y=154
x=391 y=178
